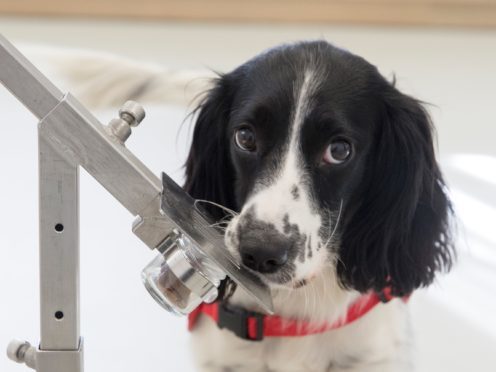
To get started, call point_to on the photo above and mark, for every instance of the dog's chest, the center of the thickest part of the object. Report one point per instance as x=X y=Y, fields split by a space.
x=375 y=343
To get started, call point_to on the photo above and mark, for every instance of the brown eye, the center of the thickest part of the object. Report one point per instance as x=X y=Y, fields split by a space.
x=245 y=139
x=337 y=152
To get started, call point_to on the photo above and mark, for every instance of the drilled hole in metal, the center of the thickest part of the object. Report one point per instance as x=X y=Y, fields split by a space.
x=59 y=315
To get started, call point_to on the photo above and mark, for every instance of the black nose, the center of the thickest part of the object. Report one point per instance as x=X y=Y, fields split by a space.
x=267 y=258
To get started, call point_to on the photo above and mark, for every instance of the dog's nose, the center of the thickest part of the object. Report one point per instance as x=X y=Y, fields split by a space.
x=266 y=259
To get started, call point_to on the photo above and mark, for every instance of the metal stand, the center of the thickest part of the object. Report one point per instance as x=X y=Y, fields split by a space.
x=61 y=347
x=69 y=137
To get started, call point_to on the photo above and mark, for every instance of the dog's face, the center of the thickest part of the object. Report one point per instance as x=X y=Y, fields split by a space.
x=327 y=164
x=297 y=144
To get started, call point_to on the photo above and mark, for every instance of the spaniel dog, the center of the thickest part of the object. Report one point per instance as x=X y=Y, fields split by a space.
x=324 y=179
x=330 y=191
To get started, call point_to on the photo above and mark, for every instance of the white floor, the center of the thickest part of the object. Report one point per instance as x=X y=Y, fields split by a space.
x=124 y=330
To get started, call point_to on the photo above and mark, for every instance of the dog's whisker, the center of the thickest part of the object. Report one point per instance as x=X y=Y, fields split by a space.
x=341 y=261
x=305 y=308
x=221 y=228
x=314 y=297
x=228 y=210
x=337 y=220
x=310 y=301
x=331 y=235
x=222 y=224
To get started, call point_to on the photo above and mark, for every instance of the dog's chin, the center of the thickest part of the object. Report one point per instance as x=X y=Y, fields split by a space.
x=284 y=282
x=288 y=286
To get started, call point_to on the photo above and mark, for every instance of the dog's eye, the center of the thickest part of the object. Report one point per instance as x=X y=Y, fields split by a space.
x=337 y=152
x=245 y=139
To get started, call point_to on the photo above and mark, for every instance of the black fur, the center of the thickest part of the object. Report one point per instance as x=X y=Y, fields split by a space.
x=399 y=233
x=209 y=174
x=395 y=227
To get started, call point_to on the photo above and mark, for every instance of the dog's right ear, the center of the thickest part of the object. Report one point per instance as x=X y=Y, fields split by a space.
x=209 y=172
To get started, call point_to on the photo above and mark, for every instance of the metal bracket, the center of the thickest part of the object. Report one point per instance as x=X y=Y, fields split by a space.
x=46 y=360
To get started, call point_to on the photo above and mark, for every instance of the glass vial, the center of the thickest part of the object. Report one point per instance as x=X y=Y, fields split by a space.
x=182 y=277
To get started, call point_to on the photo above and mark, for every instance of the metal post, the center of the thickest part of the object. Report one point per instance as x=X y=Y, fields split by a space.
x=59 y=262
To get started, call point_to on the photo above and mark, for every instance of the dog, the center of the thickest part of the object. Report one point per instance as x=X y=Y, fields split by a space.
x=330 y=190
x=324 y=179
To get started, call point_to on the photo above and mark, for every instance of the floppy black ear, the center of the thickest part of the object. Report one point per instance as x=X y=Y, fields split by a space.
x=209 y=173
x=398 y=235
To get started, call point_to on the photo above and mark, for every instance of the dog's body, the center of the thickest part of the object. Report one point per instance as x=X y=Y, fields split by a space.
x=329 y=189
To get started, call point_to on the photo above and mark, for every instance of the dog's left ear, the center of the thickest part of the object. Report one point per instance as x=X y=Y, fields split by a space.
x=399 y=234
x=209 y=173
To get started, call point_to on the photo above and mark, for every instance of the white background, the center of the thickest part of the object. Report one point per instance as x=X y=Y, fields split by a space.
x=124 y=330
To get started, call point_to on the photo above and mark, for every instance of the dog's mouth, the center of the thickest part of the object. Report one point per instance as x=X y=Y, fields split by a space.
x=300 y=283
x=283 y=280
x=290 y=285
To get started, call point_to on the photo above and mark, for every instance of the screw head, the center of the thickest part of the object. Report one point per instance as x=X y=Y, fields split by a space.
x=16 y=350
x=133 y=109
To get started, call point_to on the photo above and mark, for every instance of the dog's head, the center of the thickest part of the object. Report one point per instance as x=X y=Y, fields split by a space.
x=327 y=164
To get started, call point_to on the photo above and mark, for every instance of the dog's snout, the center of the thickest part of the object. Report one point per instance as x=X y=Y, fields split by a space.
x=264 y=258
x=262 y=248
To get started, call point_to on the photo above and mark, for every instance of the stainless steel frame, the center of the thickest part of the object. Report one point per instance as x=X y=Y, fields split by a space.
x=69 y=137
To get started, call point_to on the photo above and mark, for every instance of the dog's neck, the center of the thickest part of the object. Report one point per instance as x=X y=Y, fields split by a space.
x=321 y=300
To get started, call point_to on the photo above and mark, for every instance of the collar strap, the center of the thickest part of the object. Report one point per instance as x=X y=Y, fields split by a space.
x=254 y=326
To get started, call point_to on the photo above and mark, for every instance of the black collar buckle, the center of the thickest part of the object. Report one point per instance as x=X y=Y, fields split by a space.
x=235 y=319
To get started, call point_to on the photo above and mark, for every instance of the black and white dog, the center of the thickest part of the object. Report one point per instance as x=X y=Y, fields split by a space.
x=330 y=192
x=331 y=187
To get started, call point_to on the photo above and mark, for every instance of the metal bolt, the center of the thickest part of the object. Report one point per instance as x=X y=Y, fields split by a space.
x=17 y=349
x=22 y=352
x=132 y=112
x=130 y=115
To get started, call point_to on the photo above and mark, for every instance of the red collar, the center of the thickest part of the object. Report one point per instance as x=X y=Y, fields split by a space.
x=255 y=326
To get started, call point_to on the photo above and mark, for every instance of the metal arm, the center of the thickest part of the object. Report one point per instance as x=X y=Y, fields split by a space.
x=69 y=137
x=25 y=82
